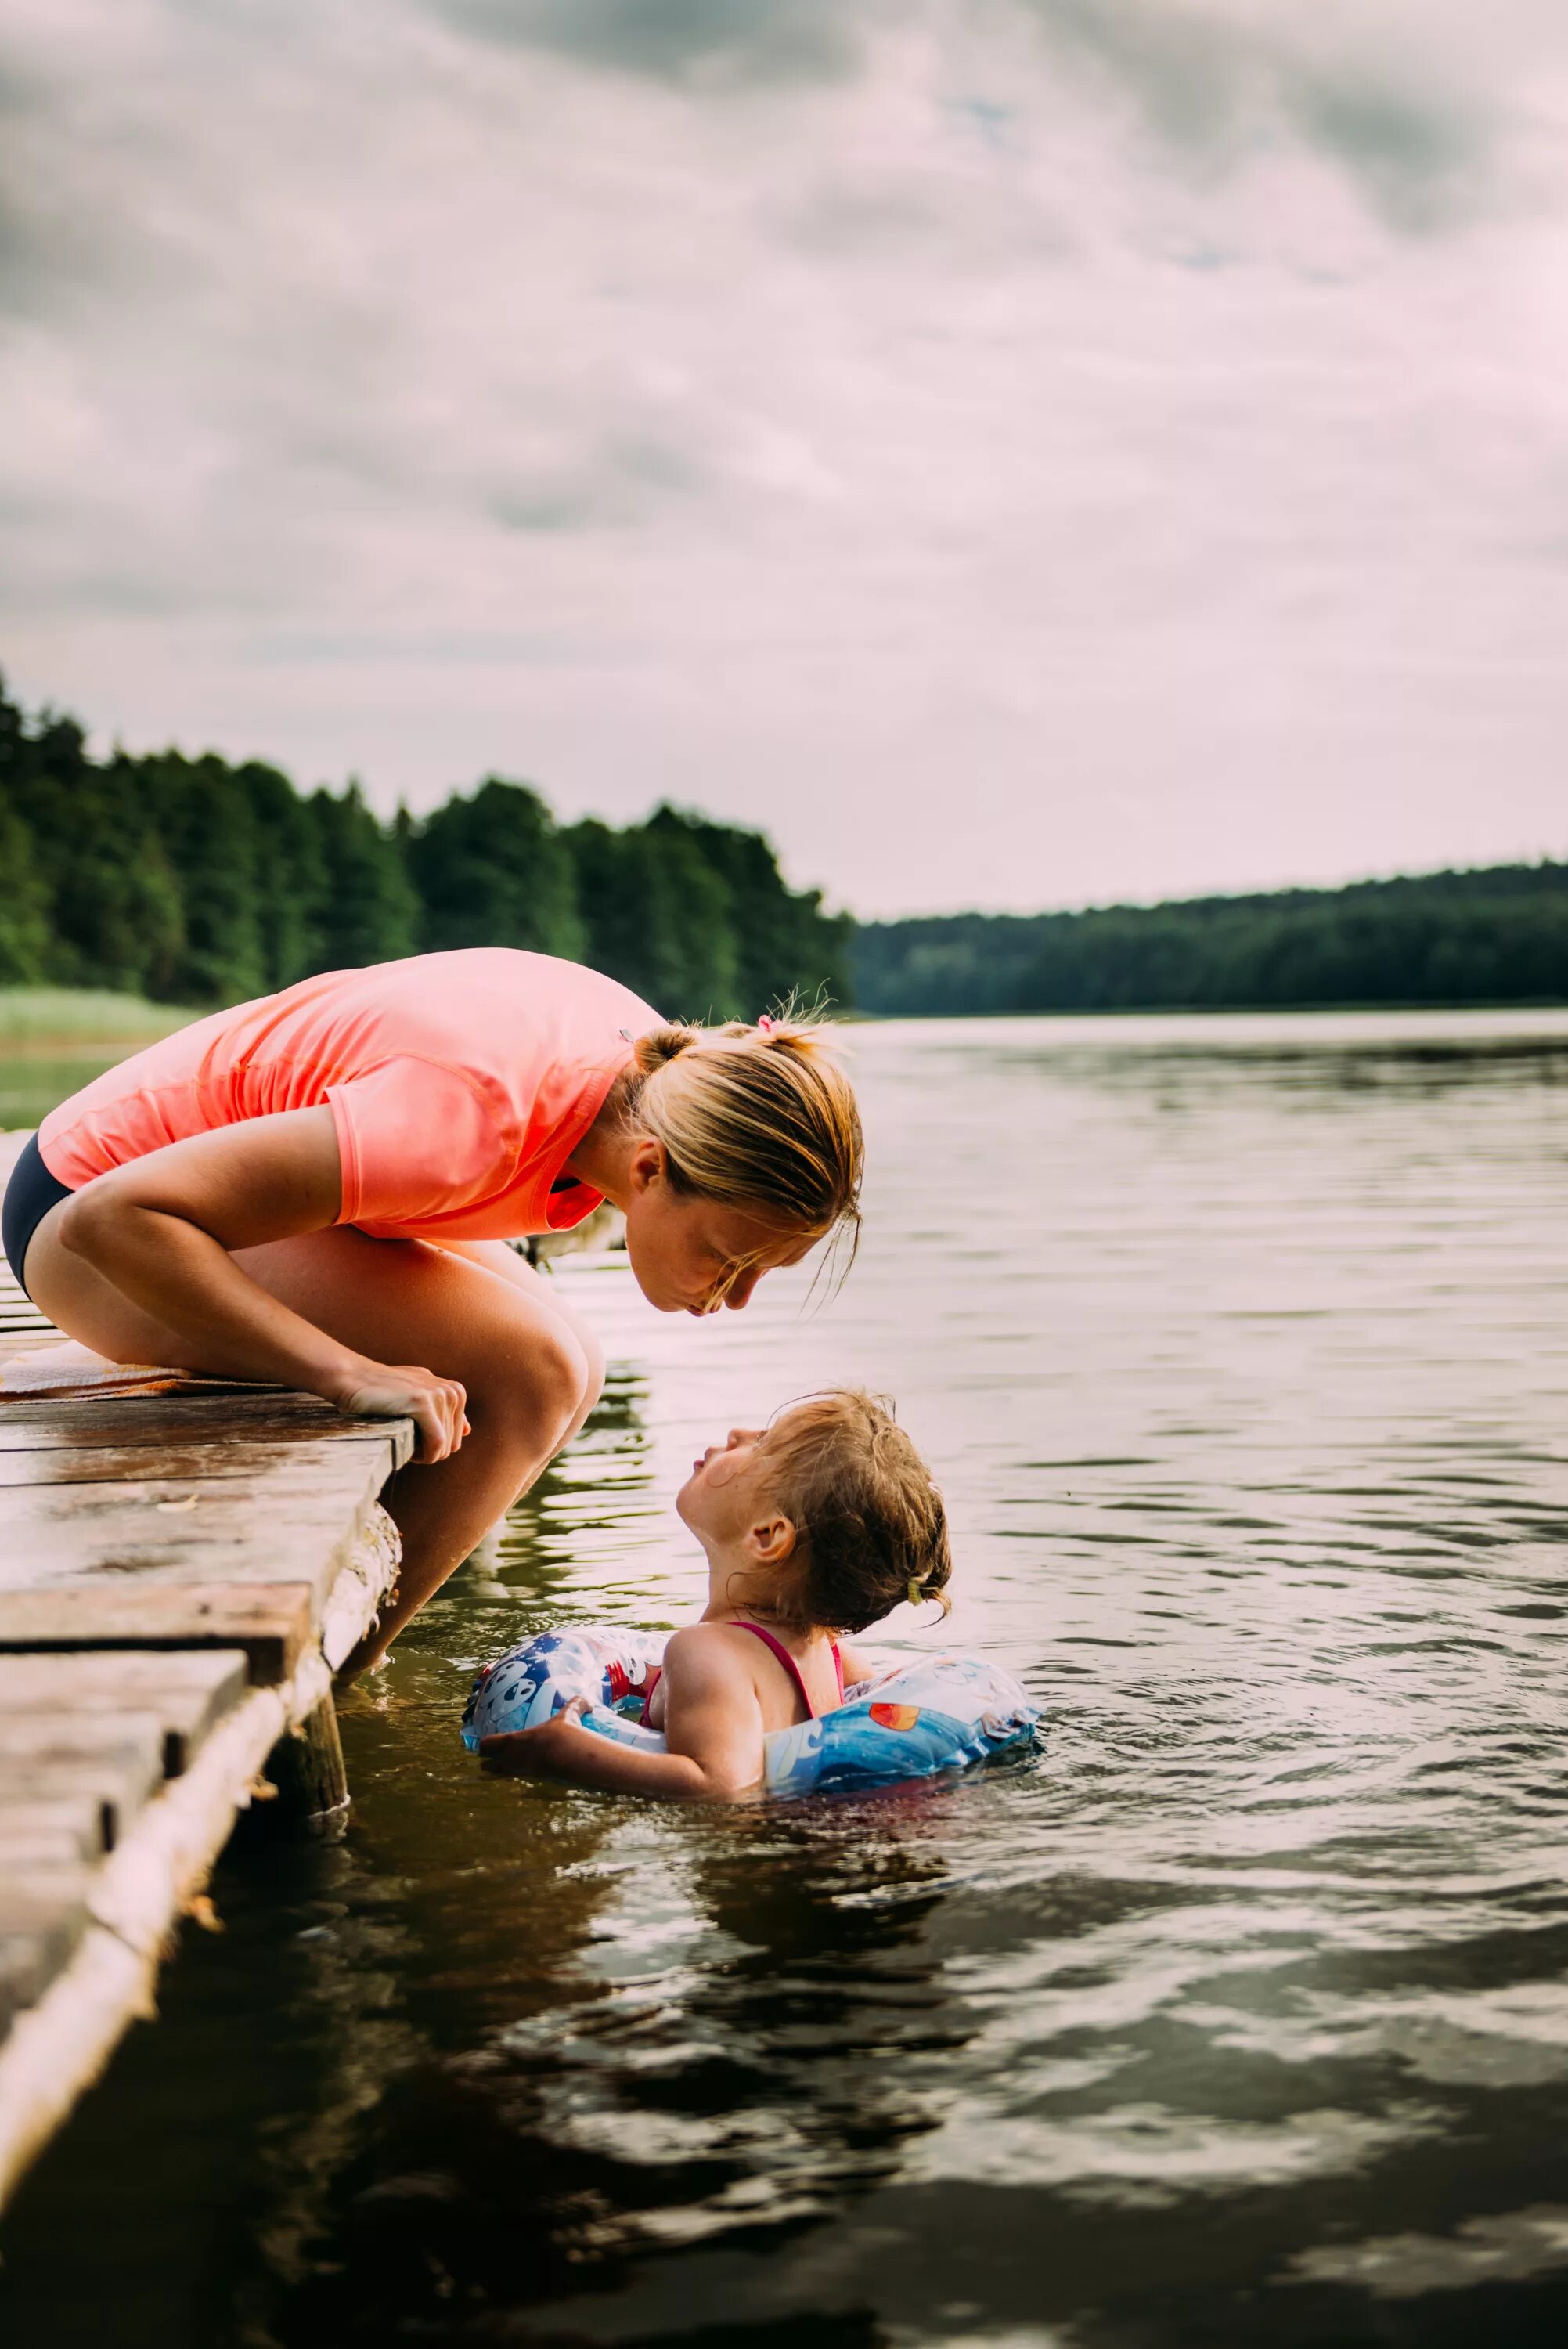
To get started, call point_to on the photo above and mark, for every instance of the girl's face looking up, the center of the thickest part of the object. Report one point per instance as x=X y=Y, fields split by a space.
x=692 y=1255
x=725 y=1493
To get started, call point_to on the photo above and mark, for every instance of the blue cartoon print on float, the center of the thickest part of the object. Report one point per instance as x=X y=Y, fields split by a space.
x=602 y=1663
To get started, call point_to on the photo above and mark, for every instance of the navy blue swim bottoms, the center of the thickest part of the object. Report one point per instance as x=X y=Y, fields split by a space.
x=29 y=1195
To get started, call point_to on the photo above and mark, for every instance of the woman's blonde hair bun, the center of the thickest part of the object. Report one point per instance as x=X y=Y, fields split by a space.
x=661 y=1045
x=754 y=1114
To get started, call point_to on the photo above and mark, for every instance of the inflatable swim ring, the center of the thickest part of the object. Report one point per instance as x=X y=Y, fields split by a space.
x=532 y=1682
x=939 y=1714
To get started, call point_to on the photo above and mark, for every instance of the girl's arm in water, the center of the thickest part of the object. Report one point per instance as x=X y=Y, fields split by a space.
x=713 y=1728
x=162 y=1230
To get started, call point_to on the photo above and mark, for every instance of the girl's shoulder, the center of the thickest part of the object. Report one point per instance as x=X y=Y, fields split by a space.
x=744 y=1656
x=705 y=1646
x=707 y=1658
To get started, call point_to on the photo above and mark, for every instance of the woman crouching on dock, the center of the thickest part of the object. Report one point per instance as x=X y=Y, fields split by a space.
x=314 y=1190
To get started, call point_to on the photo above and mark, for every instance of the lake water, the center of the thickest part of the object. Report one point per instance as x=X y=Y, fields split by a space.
x=1239 y=2015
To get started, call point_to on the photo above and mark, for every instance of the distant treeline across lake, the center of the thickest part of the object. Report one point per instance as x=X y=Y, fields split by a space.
x=1492 y=936
x=196 y=881
x=190 y=880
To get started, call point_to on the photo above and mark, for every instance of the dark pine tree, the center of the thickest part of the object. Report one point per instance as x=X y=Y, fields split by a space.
x=116 y=918
x=493 y=871
x=370 y=912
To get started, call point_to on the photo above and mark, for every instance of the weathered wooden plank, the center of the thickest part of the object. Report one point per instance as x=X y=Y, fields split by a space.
x=34 y=1894
x=118 y=1786
x=30 y=1958
x=28 y=1841
x=344 y=1476
x=187 y=1692
x=202 y=1460
x=31 y=1684
x=34 y=1830
x=215 y=1566
x=43 y=1914
x=44 y=1738
x=308 y=1552
x=262 y=1413
x=116 y=1759
x=272 y=1621
x=298 y=1526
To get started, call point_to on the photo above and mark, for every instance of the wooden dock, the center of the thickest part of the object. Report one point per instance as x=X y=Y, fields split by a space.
x=180 y=1574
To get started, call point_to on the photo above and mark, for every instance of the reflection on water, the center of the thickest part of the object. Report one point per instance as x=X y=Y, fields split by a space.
x=1239 y=2014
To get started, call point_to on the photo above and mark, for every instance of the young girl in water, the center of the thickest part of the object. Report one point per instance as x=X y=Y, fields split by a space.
x=820 y=1524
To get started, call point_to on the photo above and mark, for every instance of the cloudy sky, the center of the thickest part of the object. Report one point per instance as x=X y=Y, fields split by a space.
x=1021 y=452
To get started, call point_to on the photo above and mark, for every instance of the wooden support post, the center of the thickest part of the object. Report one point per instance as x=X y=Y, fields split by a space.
x=306 y=1765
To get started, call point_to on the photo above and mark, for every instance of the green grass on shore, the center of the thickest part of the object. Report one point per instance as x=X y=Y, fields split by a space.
x=72 y=1019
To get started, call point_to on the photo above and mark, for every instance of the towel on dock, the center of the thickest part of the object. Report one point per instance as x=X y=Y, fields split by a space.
x=61 y=1371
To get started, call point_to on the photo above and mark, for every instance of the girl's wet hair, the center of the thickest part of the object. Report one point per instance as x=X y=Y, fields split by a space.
x=757 y=1116
x=871 y=1527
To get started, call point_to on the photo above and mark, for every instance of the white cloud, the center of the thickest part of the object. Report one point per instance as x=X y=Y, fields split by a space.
x=1020 y=452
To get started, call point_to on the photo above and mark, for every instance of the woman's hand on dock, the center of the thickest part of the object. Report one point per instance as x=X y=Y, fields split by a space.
x=438 y=1407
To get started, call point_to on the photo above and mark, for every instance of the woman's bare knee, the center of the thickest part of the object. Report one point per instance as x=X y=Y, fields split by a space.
x=592 y=1387
x=530 y=1390
x=594 y=1371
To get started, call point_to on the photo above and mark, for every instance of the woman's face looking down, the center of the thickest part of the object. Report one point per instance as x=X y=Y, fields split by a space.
x=692 y=1255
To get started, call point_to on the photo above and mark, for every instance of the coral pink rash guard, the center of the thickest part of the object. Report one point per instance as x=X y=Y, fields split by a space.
x=459 y=1085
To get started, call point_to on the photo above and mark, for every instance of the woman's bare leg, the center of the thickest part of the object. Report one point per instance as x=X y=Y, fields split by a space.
x=530 y=1379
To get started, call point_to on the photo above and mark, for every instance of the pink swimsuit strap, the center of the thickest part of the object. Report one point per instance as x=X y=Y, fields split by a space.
x=792 y=1668
x=785 y=1658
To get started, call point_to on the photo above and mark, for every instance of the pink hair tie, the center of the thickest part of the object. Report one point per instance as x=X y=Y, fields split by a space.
x=765 y=1026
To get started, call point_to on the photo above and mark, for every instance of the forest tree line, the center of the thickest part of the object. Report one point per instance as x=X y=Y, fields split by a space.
x=1498 y=936
x=190 y=880
x=196 y=881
